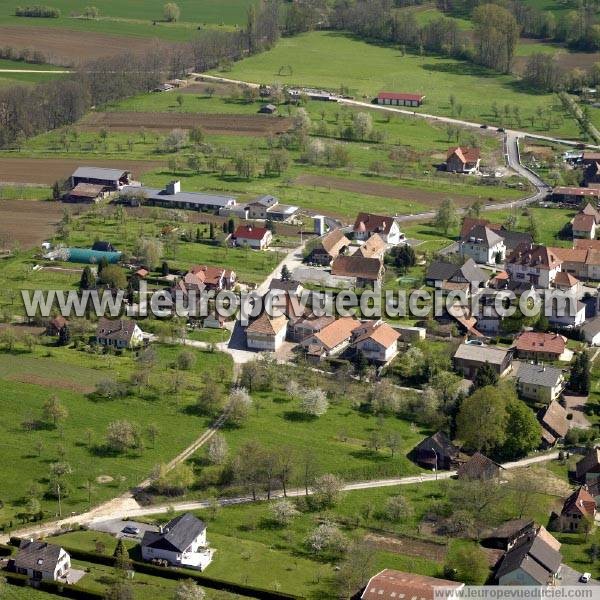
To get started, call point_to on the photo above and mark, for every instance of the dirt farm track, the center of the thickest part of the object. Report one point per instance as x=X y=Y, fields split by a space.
x=253 y=125
x=61 y=45
x=48 y=170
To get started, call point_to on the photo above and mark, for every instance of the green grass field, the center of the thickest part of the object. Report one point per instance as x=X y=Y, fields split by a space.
x=321 y=59
x=338 y=439
x=8 y=79
x=27 y=380
x=136 y=17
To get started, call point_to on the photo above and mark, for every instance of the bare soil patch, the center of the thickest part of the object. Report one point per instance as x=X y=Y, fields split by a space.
x=67 y=47
x=408 y=546
x=61 y=384
x=48 y=170
x=28 y=222
x=202 y=88
x=383 y=190
x=565 y=59
x=251 y=125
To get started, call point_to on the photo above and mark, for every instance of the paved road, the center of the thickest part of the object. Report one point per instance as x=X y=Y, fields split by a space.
x=31 y=71
x=411 y=113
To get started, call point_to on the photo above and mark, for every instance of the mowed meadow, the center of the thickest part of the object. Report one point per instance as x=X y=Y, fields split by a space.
x=28 y=378
x=333 y=59
x=133 y=18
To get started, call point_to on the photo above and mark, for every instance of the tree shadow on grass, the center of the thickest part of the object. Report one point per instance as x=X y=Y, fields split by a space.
x=460 y=68
x=282 y=400
x=369 y=455
x=296 y=416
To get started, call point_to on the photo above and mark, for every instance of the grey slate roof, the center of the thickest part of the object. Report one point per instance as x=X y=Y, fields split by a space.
x=482 y=354
x=177 y=534
x=481 y=232
x=39 y=556
x=538 y=375
x=534 y=556
x=441 y=270
x=99 y=173
x=196 y=198
x=591 y=327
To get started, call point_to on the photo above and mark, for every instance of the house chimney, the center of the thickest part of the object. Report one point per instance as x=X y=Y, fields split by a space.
x=173 y=187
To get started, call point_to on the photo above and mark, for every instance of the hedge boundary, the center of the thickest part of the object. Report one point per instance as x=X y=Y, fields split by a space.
x=168 y=573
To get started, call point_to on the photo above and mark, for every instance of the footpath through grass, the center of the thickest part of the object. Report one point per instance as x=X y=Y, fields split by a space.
x=28 y=379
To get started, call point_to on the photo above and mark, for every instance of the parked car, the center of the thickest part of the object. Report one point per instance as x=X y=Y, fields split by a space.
x=129 y=529
x=500 y=130
x=484 y=126
x=585 y=577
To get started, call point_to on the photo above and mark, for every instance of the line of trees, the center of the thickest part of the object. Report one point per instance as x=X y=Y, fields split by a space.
x=29 y=110
x=37 y=10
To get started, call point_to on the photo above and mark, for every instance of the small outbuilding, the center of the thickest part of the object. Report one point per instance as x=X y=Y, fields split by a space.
x=435 y=451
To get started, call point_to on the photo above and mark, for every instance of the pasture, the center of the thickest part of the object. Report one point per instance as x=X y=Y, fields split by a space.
x=45 y=371
x=323 y=59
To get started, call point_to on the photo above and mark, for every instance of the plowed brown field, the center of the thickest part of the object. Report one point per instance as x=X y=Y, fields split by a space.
x=48 y=170
x=67 y=47
x=28 y=222
x=212 y=123
x=383 y=190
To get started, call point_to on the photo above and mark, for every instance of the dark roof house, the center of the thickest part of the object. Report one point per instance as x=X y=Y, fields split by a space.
x=437 y=449
x=177 y=535
x=479 y=467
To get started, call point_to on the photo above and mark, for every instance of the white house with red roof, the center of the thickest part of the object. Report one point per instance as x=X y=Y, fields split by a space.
x=533 y=264
x=463 y=159
x=212 y=278
x=377 y=340
x=257 y=238
x=368 y=224
x=399 y=99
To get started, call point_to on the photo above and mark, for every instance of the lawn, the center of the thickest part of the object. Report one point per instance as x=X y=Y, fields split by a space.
x=323 y=59
x=138 y=18
x=337 y=441
x=28 y=379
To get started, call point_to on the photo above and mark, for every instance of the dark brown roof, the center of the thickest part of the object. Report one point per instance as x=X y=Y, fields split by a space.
x=373 y=223
x=87 y=190
x=249 y=232
x=535 y=256
x=357 y=266
x=582 y=501
x=119 y=329
x=439 y=442
x=477 y=467
x=591 y=461
x=555 y=419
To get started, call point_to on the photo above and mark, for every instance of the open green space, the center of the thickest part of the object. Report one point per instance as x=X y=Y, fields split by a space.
x=137 y=18
x=322 y=59
x=28 y=378
x=8 y=78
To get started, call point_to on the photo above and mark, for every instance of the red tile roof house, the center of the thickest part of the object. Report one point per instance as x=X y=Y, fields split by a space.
x=257 y=238
x=55 y=325
x=399 y=99
x=377 y=340
x=463 y=160
x=368 y=224
x=390 y=584
x=212 y=278
x=266 y=333
x=585 y=223
x=331 y=339
x=578 y=511
x=534 y=345
x=119 y=333
x=534 y=264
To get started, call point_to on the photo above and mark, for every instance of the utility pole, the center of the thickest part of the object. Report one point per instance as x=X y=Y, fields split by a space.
x=59 y=505
x=436 y=463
